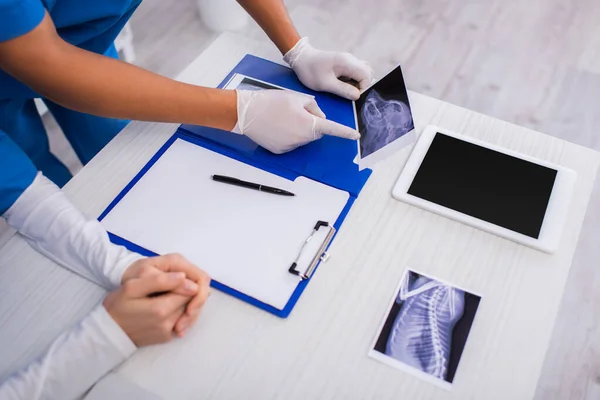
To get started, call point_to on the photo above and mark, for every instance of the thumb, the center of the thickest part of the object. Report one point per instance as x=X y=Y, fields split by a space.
x=343 y=89
x=151 y=284
x=175 y=262
x=326 y=127
x=313 y=108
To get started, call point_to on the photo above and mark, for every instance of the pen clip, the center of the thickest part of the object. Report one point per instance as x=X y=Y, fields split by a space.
x=321 y=254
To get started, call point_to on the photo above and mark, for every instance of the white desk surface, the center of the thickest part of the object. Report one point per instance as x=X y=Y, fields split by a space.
x=320 y=352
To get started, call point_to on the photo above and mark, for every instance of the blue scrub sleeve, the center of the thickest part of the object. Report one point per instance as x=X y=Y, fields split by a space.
x=17 y=172
x=18 y=17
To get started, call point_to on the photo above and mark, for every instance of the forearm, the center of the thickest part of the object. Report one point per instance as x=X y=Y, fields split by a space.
x=53 y=226
x=74 y=362
x=94 y=84
x=274 y=19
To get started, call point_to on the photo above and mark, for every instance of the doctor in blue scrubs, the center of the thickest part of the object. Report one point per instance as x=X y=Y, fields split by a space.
x=62 y=51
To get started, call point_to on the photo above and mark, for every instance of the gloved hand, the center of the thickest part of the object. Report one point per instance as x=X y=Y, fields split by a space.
x=321 y=70
x=281 y=121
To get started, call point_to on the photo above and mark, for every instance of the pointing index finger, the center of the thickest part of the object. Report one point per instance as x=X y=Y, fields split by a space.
x=326 y=127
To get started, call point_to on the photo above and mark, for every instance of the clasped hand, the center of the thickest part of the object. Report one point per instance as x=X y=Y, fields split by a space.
x=159 y=297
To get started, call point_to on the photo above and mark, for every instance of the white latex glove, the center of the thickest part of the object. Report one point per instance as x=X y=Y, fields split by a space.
x=281 y=121
x=53 y=226
x=321 y=70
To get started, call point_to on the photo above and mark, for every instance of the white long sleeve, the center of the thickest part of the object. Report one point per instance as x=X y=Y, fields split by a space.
x=54 y=227
x=74 y=362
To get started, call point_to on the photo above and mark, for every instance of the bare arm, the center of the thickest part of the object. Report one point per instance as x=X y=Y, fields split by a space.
x=95 y=84
x=273 y=18
x=316 y=69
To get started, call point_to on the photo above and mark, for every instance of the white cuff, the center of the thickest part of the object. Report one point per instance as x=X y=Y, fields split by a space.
x=295 y=52
x=113 y=332
x=53 y=226
x=74 y=362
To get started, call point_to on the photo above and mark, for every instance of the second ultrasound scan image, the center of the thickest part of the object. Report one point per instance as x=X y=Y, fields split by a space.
x=383 y=113
x=427 y=327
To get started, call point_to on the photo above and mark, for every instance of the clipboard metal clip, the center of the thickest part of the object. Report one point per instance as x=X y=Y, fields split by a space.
x=321 y=254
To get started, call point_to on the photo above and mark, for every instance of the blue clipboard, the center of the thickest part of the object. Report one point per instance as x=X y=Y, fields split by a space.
x=329 y=160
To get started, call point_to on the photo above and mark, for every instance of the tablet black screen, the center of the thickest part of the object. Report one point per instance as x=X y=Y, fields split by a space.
x=483 y=183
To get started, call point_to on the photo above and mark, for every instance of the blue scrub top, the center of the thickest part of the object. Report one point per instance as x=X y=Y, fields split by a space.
x=89 y=24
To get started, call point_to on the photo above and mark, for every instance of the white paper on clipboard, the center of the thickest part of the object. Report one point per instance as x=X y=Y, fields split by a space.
x=242 y=238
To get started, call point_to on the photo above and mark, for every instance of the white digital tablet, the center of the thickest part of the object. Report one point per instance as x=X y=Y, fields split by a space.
x=485 y=186
x=243 y=82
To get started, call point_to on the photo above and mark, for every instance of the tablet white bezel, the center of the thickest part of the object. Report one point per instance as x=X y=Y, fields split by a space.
x=556 y=212
x=236 y=79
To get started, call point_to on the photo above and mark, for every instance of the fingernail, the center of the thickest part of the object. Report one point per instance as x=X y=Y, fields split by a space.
x=175 y=276
x=183 y=332
x=191 y=286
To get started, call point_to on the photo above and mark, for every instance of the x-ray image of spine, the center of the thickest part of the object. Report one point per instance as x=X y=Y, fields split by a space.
x=385 y=120
x=421 y=335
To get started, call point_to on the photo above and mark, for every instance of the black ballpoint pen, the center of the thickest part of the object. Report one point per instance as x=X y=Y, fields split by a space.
x=251 y=185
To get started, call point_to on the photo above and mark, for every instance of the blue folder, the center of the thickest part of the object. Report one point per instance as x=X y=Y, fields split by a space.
x=329 y=160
